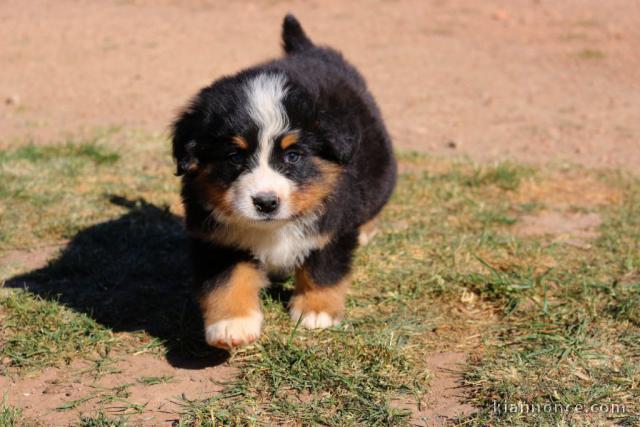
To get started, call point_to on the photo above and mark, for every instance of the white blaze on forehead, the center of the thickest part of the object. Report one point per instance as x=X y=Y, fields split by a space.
x=265 y=93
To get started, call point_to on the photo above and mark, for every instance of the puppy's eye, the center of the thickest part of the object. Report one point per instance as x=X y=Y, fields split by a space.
x=292 y=157
x=236 y=158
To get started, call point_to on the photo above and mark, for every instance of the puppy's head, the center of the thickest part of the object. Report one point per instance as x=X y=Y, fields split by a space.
x=258 y=148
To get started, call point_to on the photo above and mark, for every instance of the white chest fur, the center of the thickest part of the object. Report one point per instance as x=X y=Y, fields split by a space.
x=280 y=248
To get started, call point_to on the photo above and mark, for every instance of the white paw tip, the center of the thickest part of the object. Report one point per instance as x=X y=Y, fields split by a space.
x=313 y=320
x=234 y=332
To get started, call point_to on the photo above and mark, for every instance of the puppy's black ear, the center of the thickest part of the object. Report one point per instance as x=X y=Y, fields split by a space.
x=339 y=123
x=183 y=142
x=294 y=38
x=341 y=140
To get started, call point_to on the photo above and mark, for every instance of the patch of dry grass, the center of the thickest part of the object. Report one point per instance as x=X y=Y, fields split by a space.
x=543 y=321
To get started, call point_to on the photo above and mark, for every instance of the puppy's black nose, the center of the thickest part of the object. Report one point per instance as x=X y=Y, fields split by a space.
x=265 y=202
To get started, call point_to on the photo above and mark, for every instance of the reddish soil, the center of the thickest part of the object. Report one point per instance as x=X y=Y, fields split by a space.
x=574 y=228
x=23 y=259
x=537 y=80
x=445 y=400
x=39 y=396
x=42 y=395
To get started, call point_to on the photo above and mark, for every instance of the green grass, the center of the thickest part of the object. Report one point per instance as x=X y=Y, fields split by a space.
x=505 y=176
x=544 y=322
x=101 y=420
x=69 y=185
x=69 y=151
x=343 y=378
x=9 y=416
x=164 y=379
x=41 y=332
x=113 y=398
x=591 y=54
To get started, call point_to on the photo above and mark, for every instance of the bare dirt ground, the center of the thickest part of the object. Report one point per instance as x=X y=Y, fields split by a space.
x=61 y=395
x=536 y=81
x=444 y=401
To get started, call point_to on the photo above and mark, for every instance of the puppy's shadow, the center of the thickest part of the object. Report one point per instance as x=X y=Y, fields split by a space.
x=131 y=274
x=278 y=291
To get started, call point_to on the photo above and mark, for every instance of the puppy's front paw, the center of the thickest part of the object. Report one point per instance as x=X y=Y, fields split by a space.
x=313 y=320
x=317 y=306
x=234 y=332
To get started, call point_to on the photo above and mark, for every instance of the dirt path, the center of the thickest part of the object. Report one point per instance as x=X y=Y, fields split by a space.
x=535 y=80
x=445 y=400
x=130 y=383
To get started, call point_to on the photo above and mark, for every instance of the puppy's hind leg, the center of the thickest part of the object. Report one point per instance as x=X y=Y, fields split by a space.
x=368 y=231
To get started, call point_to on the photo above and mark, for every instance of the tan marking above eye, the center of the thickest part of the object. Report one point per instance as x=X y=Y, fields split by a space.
x=240 y=142
x=288 y=140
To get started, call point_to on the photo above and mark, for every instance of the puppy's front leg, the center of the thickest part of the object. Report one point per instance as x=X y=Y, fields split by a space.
x=228 y=284
x=321 y=284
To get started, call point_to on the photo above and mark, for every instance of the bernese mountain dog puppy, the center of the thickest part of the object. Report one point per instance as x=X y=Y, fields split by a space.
x=284 y=166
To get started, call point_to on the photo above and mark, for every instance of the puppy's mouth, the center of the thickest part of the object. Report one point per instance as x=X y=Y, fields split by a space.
x=256 y=211
x=264 y=222
x=268 y=218
x=275 y=217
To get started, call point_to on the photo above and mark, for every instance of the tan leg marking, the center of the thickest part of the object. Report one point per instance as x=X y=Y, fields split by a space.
x=231 y=311
x=319 y=306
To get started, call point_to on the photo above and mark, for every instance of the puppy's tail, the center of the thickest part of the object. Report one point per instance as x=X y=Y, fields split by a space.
x=294 y=39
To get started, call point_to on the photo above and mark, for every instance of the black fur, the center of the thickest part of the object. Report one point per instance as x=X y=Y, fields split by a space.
x=329 y=265
x=328 y=101
x=294 y=38
x=212 y=261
